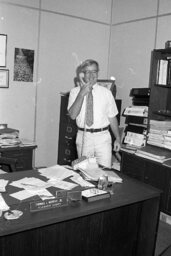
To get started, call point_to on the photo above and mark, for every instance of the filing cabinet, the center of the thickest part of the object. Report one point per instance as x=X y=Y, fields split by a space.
x=67 y=135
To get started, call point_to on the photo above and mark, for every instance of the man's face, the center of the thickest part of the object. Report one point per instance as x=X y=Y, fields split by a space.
x=91 y=74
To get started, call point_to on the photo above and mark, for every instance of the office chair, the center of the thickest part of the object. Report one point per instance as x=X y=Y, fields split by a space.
x=8 y=164
x=166 y=252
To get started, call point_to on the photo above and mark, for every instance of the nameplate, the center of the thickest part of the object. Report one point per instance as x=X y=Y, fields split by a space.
x=48 y=204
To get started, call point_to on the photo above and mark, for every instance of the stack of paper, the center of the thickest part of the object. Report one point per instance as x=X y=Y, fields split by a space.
x=160 y=133
x=136 y=111
x=95 y=173
x=153 y=153
x=56 y=172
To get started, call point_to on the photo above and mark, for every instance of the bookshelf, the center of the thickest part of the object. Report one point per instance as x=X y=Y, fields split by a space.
x=160 y=85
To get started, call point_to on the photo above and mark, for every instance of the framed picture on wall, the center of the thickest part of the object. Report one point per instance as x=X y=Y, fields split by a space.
x=4 y=78
x=3 y=50
x=108 y=83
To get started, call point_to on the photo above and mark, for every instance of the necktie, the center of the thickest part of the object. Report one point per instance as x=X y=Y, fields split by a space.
x=89 y=116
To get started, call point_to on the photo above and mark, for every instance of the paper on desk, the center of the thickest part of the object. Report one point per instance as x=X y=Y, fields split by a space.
x=92 y=173
x=113 y=177
x=44 y=194
x=62 y=184
x=22 y=195
x=56 y=172
x=31 y=184
x=3 y=205
x=83 y=183
x=3 y=184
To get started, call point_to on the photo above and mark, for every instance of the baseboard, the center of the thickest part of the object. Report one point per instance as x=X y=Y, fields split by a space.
x=165 y=218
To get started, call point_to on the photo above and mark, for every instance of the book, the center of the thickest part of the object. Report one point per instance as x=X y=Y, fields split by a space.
x=162 y=72
x=169 y=72
x=94 y=194
x=154 y=152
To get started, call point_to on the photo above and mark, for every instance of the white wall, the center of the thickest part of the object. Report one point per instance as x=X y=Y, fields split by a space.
x=136 y=30
x=64 y=32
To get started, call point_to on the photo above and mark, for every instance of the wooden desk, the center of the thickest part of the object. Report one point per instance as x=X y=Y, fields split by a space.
x=125 y=224
x=23 y=155
x=149 y=172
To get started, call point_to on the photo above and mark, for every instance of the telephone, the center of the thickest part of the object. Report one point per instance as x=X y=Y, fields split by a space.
x=81 y=78
x=84 y=162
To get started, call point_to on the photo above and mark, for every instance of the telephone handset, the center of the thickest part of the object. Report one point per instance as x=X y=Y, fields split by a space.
x=81 y=78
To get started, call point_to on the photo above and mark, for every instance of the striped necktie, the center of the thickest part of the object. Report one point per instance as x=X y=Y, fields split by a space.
x=89 y=116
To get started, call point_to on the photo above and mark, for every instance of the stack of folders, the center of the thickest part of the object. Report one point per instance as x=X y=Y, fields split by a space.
x=160 y=133
x=154 y=153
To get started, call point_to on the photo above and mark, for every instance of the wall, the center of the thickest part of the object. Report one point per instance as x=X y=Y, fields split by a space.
x=137 y=28
x=63 y=33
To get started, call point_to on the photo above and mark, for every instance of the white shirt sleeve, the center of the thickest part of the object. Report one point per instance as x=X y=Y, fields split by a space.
x=72 y=96
x=112 y=109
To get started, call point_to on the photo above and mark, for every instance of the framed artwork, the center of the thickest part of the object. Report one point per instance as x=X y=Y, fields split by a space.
x=3 y=50
x=108 y=83
x=4 y=78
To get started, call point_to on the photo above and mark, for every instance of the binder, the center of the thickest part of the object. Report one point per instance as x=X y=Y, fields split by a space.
x=140 y=92
x=136 y=120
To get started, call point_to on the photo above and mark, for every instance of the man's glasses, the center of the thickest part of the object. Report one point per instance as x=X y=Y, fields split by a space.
x=89 y=72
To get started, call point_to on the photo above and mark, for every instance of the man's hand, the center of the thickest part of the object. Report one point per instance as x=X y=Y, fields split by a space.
x=116 y=146
x=86 y=87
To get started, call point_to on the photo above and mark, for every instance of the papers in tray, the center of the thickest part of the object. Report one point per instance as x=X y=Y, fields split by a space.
x=95 y=173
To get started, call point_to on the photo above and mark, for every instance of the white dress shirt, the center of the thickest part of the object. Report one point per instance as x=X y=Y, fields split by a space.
x=104 y=107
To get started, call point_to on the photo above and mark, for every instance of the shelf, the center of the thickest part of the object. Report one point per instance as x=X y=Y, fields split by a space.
x=163 y=85
x=163 y=112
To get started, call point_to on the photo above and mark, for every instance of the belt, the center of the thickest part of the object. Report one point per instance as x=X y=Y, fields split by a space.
x=93 y=130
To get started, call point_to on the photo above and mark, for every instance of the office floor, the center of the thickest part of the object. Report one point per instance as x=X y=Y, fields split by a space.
x=163 y=237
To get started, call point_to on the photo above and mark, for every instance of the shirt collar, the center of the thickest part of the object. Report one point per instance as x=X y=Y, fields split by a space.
x=94 y=86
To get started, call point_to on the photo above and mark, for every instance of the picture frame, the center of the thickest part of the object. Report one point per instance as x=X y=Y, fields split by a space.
x=4 y=78
x=3 y=50
x=109 y=84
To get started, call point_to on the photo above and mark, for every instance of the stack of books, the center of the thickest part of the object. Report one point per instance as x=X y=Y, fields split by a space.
x=9 y=137
x=164 y=71
x=160 y=133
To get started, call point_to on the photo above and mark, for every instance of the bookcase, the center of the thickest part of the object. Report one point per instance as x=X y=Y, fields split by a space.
x=160 y=85
x=143 y=169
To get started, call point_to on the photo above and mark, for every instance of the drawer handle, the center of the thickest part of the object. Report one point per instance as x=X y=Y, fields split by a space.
x=69 y=129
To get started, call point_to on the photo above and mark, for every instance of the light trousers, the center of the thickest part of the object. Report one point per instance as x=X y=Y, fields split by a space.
x=98 y=144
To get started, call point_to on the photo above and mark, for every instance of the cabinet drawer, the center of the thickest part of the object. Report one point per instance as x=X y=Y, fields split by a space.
x=133 y=166
x=24 y=158
x=66 y=155
x=68 y=130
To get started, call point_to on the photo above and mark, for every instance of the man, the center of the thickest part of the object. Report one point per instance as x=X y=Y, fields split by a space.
x=94 y=139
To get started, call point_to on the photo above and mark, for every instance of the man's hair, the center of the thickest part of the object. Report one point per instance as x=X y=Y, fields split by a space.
x=85 y=64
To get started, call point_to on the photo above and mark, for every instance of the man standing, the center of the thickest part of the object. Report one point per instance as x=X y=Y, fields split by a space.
x=94 y=109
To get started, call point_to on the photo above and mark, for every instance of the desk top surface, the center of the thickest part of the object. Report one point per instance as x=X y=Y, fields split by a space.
x=128 y=192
